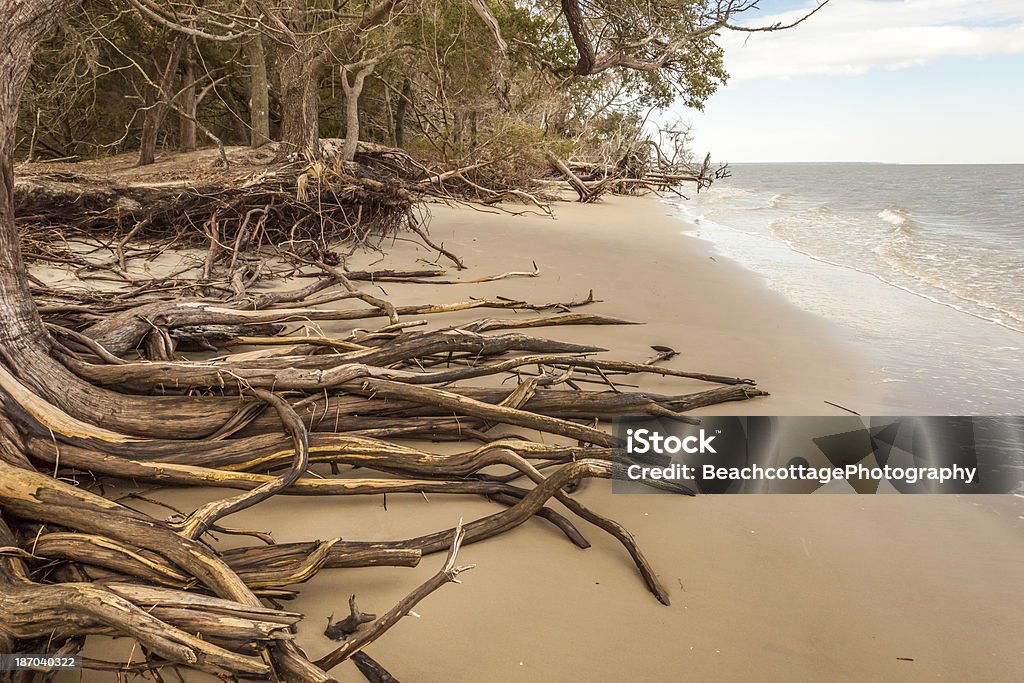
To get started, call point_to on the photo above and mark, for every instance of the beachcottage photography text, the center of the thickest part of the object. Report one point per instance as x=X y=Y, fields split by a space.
x=809 y=454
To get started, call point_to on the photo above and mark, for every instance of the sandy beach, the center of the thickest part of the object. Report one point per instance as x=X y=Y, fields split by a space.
x=768 y=587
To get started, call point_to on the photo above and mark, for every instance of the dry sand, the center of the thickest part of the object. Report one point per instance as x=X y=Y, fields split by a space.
x=765 y=587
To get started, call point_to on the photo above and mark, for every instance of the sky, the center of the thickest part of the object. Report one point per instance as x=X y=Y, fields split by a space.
x=898 y=81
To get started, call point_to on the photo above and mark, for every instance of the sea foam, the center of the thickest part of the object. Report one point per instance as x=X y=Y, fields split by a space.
x=898 y=218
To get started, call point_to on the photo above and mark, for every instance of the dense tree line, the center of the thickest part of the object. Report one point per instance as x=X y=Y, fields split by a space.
x=446 y=79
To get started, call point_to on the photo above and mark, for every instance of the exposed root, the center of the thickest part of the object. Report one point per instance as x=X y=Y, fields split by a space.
x=274 y=406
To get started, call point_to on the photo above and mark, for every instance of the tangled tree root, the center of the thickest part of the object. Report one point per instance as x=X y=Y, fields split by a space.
x=104 y=391
x=304 y=206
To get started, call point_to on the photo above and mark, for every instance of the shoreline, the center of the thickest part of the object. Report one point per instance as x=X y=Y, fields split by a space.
x=935 y=346
x=719 y=315
x=773 y=586
x=762 y=586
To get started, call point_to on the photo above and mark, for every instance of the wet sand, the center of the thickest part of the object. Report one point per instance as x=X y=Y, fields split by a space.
x=765 y=587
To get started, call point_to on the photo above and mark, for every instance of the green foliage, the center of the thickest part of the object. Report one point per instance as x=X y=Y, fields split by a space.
x=89 y=87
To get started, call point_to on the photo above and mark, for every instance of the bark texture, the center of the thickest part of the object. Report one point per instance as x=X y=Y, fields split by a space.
x=259 y=91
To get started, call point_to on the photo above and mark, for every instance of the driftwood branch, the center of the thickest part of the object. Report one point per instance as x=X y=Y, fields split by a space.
x=363 y=636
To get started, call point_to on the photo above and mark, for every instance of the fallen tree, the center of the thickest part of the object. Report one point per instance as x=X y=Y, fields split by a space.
x=638 y=168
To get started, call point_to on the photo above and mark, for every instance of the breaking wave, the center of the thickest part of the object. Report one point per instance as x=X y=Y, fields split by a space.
x=953 y=270
x=897 y=218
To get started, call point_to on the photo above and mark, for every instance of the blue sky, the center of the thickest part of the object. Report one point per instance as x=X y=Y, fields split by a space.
x=905 y=81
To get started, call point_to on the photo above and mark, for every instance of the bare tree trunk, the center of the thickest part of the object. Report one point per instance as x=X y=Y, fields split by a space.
x=150 y=128
x=156 y=99
x=351 y=128
x=300 y=116
x=242 y=132
x=23 y=339
x=404 y=99
x=25 y=345
x=458 y=129
x=259 y=91
x=24 y=25
x=187 y=120
x=303 y=65
x=353 y=90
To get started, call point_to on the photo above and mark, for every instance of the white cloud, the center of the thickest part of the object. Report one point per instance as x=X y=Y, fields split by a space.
x=850 y=37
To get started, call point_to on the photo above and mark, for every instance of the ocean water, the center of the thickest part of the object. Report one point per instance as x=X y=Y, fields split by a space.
x=921 y=266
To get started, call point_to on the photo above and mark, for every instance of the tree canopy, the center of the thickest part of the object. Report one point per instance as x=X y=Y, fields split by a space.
x=444 y=76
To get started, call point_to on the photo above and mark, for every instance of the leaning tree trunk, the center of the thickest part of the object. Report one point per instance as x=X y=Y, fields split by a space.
x=25 y=346
x=24 y=343
x=259 y=91
x=23 y=27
